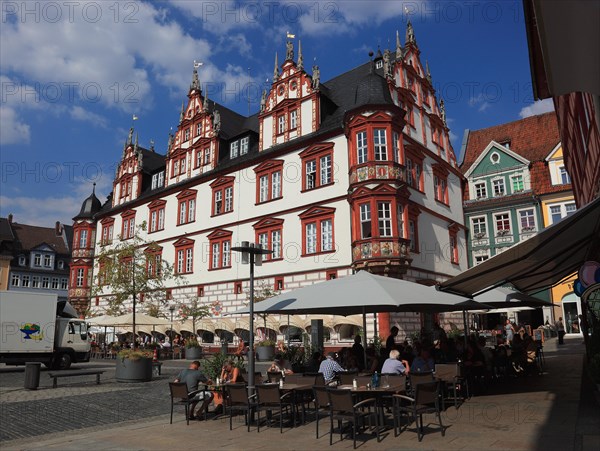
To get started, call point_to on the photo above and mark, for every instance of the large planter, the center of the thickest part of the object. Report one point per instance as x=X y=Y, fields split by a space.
x=193 y=353
x=265 y=353
x=139 y=370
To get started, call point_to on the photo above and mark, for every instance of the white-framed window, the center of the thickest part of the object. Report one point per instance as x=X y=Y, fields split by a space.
x=498 y=186
x=218 y=202
x=293 y=119
x=502 y=221
x=384 y=218
x=15 y=280
x=527 y=220
x=158 y=180
x=186 y=134
x=311 y=173
x=276 y=244
x=189 y=259
x=37 y=259
x=83 y=236
x=55 y=283
x=564 y=175
x=206 y=156
x=48 y=258
x=559 y=211
x=35 y=282
x=281 y=124
x=79 y=278
x=264 y=188
x=480 y=259
x=365 y=221
x=198 y=128
x=479 y=227
x=361 y=147
x=311 y=238
x=517 y=183
x=480 y=190
x=233 y=149
x=395 y=146
x=326 y=235
x=64 y=283
x=379 y=140
x=228 y=199
x=61 y=264
x=379 y=64
x=244 y=144
x=276 y=185
x=25 y=281
x=22 y=260
x=325 y=161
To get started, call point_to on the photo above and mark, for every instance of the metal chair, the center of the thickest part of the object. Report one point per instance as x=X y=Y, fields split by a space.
x=240 y=402
x=321 y=401
x=342 y=408
x=425 y=400
x=270 y=400
x=418 y=378
x=451 y=379
x=179 y=395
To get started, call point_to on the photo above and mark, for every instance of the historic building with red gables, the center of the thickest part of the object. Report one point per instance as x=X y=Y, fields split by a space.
x=354 y=173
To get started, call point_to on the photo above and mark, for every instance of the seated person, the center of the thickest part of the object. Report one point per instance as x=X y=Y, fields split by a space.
x=313 y=364
x=393 y=365
x=372 y=360
x=229 y=374
x=242 y=349
x=280 y=365
x=192 y=376
x=329 y=367
x=423 y=362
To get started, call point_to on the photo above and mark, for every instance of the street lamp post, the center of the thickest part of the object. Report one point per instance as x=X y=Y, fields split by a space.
x=172 y=309
x=249 y=251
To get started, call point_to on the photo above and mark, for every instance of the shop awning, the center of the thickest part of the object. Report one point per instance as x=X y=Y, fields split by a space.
x=540 y=262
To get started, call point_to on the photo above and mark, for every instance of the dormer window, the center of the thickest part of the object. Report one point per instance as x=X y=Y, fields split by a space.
x=379 y=64
x=244 y=144
x=233 y=149
x=22 y=260
x=158 y=180
x=48 y=258
x=506 y=144
x=61 y=264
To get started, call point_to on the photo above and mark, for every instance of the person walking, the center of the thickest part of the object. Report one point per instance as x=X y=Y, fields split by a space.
x=510 y=332
x=560 y=329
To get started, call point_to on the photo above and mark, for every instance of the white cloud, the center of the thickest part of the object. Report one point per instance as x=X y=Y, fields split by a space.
x=537 y=107
x=80 y=114
x=42 y=211
x=14 y=130
x=225 y=16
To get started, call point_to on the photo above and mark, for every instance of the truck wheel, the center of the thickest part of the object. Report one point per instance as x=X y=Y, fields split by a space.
x=63 y=362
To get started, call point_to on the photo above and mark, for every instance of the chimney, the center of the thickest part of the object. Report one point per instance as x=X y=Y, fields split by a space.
x=58 y=228
x=10 y=218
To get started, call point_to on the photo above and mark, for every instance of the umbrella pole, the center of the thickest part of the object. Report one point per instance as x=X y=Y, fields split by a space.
x=288 y=332
x=365 y=336
x=465 y=327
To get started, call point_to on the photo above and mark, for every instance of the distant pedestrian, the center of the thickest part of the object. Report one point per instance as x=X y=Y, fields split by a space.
x=510 y=332
x=560 y=329
x=390 y=343
x=359 y=352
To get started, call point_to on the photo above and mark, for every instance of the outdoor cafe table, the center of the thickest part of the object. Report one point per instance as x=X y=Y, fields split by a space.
x=378 y=393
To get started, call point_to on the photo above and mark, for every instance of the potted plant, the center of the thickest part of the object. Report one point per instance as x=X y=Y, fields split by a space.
x=265 y=350
x=193 y=350
x=134 y=365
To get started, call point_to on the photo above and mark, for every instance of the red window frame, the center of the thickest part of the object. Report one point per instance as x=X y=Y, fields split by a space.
x=186 y=198
x=332 y=275
x=317 y=215
x=440 y=183
x=453 y=240
x=178 y=159
x=237 y=289
x=268 y=226
x=182 y=246
x=220 y=186
x=127 y=218
x=156 y=207
x=278 y=285
x=417 y=176
x=200 y=291
x=413 y=216
x=108 y=229
x=153 y=261
x=200 y=157
x=316 y=152
x=268 y=168
x=219 y=237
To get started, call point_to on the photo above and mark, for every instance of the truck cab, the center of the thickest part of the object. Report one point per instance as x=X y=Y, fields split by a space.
x=72 y=342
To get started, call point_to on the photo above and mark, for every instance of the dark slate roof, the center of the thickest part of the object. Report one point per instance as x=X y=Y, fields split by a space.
x=28 y=237
x=151 y=161
x=6 y=233
x=372 y=89
x=89 y=207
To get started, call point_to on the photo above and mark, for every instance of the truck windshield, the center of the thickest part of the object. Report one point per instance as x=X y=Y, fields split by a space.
x=78 y=327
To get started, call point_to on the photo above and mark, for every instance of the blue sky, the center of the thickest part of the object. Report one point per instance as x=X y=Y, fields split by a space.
x=73 y=74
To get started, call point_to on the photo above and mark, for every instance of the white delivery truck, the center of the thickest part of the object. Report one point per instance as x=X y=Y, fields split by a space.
x=37 y=327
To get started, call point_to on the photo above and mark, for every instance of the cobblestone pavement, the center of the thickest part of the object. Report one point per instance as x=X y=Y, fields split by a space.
x=529 y=413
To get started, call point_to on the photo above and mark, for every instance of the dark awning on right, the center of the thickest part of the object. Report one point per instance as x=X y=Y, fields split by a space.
x=539 y=262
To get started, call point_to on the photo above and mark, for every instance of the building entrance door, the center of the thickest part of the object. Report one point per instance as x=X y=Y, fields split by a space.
x=571 y=306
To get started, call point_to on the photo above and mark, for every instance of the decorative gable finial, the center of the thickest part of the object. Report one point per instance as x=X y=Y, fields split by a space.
x=170 y=143
x=152 y=145
x=195 y=86
x=94 y=188
x=399 y=55
x=129 y=137
x=205 y=104
x=443 y=112
x=387 y=64
x=181 y=113
x=410 y=33
x=276 y=70
x=300 y=64
x=427 y=72
x=216 y=121
x=135 y=146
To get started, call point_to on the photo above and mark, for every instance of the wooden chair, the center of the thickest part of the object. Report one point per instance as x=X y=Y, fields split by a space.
x=179 y=395
x=271 y=400
x=239 y=402
x=425 y=400
x=342 y=408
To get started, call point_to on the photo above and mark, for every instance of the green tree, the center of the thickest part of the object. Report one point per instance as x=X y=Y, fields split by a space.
x=194 y=310
x=133 y=270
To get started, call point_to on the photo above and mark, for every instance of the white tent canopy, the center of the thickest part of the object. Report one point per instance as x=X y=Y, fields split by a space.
x=127 y=320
